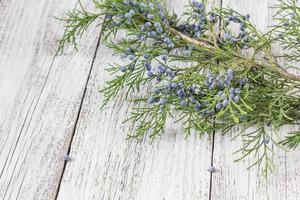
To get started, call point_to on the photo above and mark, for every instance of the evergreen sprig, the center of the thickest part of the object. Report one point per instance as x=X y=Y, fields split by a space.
x=199 y=66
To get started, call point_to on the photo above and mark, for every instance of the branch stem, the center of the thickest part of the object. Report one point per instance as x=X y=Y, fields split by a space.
x=272 y=62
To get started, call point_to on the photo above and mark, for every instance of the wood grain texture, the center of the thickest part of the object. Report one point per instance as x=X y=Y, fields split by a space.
x=40 y=96
x=106 y=166
x=233 y=181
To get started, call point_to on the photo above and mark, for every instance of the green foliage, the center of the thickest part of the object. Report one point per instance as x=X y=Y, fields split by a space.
x=293 y=140
x=77 y=21
x=200 y=68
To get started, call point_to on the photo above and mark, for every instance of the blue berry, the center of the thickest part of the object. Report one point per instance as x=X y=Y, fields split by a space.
x=151 y=100
x=192 y=89
x=230 y=72
x=245 y=39
x=197 y=107
x=267 y=140
x=167 y=40
x=195 y=2
x=236 y=99
x=219 y=106
x=231 y=90
x=225 y=103
x=150 y=16
x=242 y=27
x=180 y=85
x=148 y=66
x=227 y=82
x=161 y=69
x=164 y=57
x=150 y=74
x=151 y=5
x=195 y=27
x=171 y=45
x=171 y=74
x=286 y=23
x=181 y=93
x=197 y=15
x=67 y=158
x=131 y=57
x=220 y=93
x=243 y=82
x=269 y=124
x=129 y=50
x=212 y=86
x=201 y=94
x=192 y=99
x=230 y=18
x=292 y=15
x=122 y=68
x=131 y=12
x=223 y=96
x=148 y=24
x=158 y=78
x=143 y=5
x=167 y=86
x=156 y=90
x=237 y=90
x=248 y=16
x=197 y=34
x=220 y=83
x=159 y=30
x=243 y=118
x=146 y=56
x=211 y=18
x=183 y=103
x=157 y=24
x=212 y=169
x=241 y=34
x=199 y=5
x=234 y=40
x=162 y=101
x=127 y=15
x=174 y=85
x=143 y=37
x=151 y=34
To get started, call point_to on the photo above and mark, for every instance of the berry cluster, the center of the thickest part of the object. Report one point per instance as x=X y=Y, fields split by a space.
x=198 y=25
x=244 y=36
x=175 y=56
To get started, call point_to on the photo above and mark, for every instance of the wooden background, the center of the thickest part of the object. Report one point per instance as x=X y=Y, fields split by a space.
x=49 y=107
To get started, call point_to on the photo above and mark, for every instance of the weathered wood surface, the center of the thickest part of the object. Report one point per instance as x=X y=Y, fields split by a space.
x=40 y=96
x=49 y=105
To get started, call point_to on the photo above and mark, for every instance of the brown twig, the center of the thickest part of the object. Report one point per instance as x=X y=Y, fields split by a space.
x=273 y=64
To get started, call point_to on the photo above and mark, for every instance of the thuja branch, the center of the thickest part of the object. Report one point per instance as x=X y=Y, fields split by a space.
x=213 y=76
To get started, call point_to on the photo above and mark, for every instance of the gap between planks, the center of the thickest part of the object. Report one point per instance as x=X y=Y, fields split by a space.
x=214 y=124
x=79 y=110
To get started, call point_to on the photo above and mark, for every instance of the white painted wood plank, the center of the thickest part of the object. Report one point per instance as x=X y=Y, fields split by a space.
x=39 y=95
x=233 y=181
x=106 y=166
